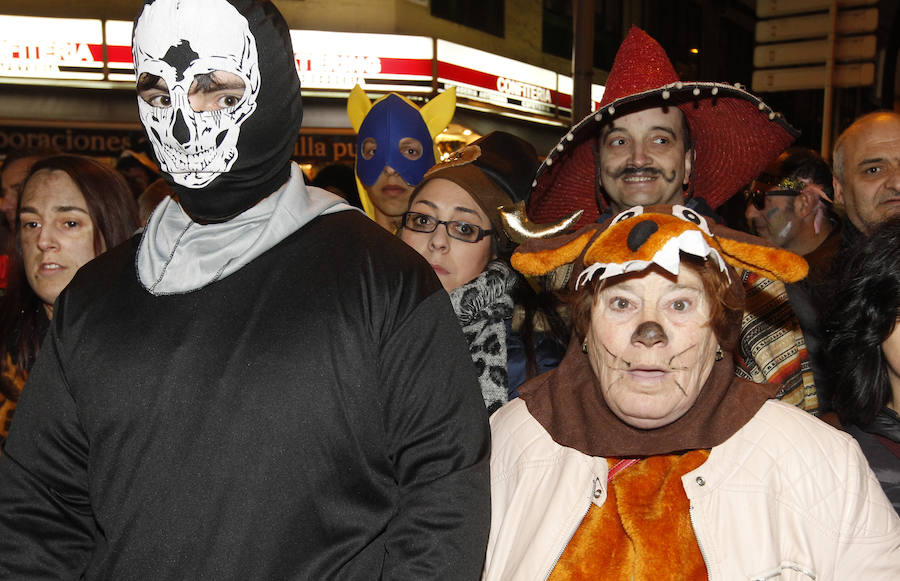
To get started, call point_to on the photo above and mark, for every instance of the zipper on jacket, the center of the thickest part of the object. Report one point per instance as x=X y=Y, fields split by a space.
x=596 y=492
x=697 y=536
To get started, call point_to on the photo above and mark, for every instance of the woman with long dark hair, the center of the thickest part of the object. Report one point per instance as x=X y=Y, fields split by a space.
x=72 y=208
x=863 y=351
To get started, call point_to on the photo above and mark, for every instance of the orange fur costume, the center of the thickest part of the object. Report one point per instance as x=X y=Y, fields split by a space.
x=642 y=530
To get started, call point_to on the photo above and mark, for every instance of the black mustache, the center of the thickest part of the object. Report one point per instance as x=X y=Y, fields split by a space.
x=646 y=170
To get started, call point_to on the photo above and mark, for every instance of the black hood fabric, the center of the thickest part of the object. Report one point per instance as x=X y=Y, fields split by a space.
x=177 y=40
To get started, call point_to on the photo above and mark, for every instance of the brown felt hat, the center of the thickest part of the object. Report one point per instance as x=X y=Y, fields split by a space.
x=496 y=170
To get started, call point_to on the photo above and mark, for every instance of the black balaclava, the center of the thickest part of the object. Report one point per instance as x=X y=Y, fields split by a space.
x=220 y=163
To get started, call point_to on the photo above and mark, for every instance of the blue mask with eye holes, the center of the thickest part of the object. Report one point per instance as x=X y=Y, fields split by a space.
x=390 y=120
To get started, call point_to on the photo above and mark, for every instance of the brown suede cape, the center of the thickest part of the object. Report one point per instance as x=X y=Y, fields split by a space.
x=568 y=403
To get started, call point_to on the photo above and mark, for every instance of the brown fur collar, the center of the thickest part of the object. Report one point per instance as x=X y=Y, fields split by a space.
x=568 y=403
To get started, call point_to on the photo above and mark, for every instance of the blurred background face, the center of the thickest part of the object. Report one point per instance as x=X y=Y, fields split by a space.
x=456 y=262
x=870 y=180
x=11 y=182
x=776 y=221
x=651 y=345
x=56 y=233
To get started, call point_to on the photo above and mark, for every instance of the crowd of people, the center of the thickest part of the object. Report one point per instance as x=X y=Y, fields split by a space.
x=488 y=366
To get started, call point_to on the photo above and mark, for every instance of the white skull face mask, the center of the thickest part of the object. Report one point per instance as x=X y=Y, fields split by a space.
x=180 y=40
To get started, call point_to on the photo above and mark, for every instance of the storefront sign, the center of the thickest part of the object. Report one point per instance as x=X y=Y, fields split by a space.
x=51 y=48
x=83 y=141
x=376 y=62
x=118 y=50
x=325 y=148
x=328 y=63
x=486 y=77
x=320 y=148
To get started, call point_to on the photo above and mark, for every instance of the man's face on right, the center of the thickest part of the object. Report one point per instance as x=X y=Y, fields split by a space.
x=644 y=159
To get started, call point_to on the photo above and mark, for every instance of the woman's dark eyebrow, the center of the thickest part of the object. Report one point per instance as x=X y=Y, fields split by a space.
x=457 y=208
x=465 y=210
x=31 y=210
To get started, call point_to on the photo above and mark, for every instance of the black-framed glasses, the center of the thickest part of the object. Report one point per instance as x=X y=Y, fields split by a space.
x=418 y=222
x=756 y=194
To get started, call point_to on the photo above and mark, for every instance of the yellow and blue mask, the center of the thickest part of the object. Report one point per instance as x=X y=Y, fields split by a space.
x=387 y=121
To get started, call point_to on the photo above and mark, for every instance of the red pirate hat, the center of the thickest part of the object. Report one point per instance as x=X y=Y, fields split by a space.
x=735 y=134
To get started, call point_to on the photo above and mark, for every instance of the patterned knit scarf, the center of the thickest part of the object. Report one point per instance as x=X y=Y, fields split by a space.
x=482 y=305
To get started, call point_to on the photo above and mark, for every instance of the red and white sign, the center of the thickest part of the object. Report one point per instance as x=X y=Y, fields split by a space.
x=51 y=48
x=489 y=78
x=376 y=62
x=327 y=63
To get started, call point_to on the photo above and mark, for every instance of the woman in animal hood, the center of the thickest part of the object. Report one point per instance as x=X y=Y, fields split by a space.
x=642 y=455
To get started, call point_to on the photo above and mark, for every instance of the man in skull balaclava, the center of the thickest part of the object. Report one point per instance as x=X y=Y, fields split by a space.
x=264 y=384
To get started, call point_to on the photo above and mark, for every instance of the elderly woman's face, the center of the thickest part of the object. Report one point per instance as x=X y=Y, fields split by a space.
x=651 y=345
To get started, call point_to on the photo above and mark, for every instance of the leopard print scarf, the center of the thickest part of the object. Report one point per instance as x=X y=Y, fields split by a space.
x=482 y=305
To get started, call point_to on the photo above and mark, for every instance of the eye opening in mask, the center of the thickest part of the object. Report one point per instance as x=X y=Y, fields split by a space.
x=369 y=147
x=213 y=91
x=154 y=90
x=410 y=148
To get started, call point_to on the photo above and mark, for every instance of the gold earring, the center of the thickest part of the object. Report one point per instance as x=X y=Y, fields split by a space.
x=584 y=346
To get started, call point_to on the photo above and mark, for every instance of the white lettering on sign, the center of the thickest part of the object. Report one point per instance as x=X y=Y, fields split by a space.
x=523 y=90
x=47 y=51
x=338 y=64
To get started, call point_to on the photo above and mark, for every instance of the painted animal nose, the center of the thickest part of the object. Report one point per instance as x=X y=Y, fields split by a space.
x=649 y=333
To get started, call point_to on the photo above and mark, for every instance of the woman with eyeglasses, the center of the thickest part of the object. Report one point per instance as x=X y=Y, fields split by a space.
x=454 y=222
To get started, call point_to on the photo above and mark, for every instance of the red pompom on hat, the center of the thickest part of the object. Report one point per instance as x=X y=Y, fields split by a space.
x=735 y=134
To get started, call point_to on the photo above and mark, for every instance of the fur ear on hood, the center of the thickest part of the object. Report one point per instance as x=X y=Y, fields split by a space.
x=358 y=106
x=641 y=236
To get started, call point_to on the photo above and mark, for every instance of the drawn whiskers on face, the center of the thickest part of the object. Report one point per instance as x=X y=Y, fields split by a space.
x=677 y=355
x=615 y=360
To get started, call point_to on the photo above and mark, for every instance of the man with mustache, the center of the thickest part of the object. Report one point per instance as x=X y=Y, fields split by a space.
x=657 y=140
x=645 y=158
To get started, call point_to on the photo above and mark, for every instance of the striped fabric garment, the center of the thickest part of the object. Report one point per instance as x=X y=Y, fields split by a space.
x=771 y=347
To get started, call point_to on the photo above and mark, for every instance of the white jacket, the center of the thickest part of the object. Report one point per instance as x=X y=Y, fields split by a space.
x=786 y=497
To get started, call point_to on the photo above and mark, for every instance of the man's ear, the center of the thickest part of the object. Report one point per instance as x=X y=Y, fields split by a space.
x=805 y=203
x=838 y=192
x=688 y=165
